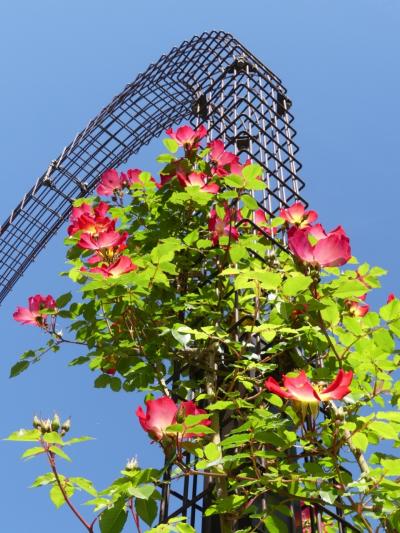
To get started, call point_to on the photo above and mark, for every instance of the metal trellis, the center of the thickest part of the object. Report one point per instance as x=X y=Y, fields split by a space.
x=211 y=79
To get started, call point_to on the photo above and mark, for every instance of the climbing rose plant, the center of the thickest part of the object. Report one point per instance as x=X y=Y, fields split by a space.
x=262 y=320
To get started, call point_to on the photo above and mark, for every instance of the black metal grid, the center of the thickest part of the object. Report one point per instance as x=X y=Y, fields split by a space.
x=211 y=79
x=205 y=69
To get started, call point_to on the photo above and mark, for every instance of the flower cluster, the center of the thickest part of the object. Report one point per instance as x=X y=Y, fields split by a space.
x=112 y=183
x=186 y=137
x=220 y=227
x=98 y=233
x=312 y=244
x=89 y=219
x=35 y=314
x=218 y=307
x=221 y=162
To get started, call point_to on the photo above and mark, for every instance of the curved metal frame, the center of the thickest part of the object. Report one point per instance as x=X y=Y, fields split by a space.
x=211 y=79
x=179 y=86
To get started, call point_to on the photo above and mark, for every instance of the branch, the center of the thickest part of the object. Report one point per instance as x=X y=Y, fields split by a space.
x=51 y=458
x=358 y=455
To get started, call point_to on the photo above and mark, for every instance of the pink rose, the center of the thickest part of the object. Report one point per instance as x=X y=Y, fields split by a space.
x=313 y=245
x=32 y=314
x=301 y=389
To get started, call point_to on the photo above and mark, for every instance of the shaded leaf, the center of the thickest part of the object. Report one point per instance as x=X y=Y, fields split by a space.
x=112 y=520
x=147 y=510
x=18 y=368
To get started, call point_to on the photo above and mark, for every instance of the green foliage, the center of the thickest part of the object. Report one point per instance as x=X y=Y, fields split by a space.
x=229 y=313
x=112 y=520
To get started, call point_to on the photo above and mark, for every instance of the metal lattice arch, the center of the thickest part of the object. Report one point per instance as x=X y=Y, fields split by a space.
x=212 y=79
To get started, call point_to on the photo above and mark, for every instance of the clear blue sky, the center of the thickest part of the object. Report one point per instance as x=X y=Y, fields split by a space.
x=62 y=61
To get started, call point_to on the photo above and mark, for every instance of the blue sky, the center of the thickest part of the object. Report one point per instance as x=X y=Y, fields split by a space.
x=61 y=62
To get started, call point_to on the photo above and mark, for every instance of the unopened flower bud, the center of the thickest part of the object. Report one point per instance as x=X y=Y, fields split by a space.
x=36 y=423
x=55 y=423
x=66 y=426
x=46 y=426
x=180 y=415
x=132 y=464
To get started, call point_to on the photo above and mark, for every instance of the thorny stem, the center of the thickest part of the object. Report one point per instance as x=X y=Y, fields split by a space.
x=52 y=462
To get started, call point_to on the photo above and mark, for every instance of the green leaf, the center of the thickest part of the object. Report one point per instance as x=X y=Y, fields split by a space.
x=296 y=284
x=63 y=300
x=392 y=466
x=56 y=496
x=174 y=428
x=201 y=429
x=53 y=438
x=221 y=406
x=18 y=368
x=275 y=400
x=112 y=520
x=353 y=325
x=76 y=440
x=84 y=484
x=99 y=503
x=328 y=496
x=171 y=145
x=25 y=435
x=391 y=311
x=143 y=492
x=147 y=510
x=115 y=384
x=31 y=452
x=360 y=441
x=371 y=319
x=348 y=289
x=102 y=381
x=384 y=430
x=249 y=202
x=59 y=452
x=184 y=528
x=203 y=243
x=212 y=451
x=268 y=280
x=275 y=525
x=253 y=171
x=331 y=315
x=183 y=339
x=193 y=420
x=238 y=252
x=383 y=340
x=45 y=479
x=191 y=237
x=236 y=440
x=165 y=158
x=234 y=181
